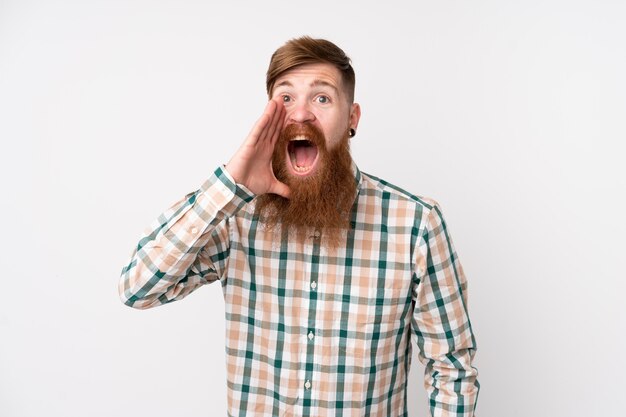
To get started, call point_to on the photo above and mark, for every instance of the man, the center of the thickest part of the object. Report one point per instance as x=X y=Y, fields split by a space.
x=327 y=272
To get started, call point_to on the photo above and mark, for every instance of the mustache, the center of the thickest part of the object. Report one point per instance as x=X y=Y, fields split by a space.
x=307 y=130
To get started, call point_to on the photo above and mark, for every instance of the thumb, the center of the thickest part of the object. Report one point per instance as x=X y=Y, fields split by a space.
x=280 y=188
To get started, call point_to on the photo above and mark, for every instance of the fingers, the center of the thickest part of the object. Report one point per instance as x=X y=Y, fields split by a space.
x=275 y=125
x=259 y=130
x=280 y=122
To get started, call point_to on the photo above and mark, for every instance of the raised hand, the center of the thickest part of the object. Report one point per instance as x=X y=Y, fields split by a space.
x=252 y=163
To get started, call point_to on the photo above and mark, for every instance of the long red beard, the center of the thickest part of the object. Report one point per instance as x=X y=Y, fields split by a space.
x=321 y=201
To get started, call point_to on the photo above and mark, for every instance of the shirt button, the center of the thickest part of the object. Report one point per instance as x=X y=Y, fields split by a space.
x=316 y=234
x=307 y=384
x=194 y=231
x=311 y=335
x=314 y=285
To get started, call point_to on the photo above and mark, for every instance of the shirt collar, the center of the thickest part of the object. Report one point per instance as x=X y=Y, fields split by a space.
x=358 y=178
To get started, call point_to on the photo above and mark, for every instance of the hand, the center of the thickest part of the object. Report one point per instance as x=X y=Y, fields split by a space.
x=252 y=163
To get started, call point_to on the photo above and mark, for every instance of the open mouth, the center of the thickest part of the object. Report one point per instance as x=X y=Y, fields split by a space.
x=302 y=153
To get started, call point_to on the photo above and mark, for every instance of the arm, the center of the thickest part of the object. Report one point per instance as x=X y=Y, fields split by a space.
x=441 y=323
x=188 y=245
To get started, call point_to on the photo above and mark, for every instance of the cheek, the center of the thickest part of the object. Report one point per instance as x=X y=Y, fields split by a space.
x=335 y=128
x=338 y=131
x=334 y=138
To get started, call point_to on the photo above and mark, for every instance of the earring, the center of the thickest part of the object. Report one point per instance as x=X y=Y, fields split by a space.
x=351 y=132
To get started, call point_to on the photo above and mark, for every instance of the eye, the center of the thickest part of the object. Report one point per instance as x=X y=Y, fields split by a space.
x=286 y=99
x=323 y=99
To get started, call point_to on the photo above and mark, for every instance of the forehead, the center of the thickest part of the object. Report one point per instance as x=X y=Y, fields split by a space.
x=310 y=75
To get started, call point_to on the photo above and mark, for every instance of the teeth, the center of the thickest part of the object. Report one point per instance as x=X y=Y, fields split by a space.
x=300 y=138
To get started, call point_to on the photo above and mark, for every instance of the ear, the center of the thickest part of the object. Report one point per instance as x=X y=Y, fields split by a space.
x=355 y=116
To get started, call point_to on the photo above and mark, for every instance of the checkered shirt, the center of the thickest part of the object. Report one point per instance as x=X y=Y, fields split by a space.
x=312 y=331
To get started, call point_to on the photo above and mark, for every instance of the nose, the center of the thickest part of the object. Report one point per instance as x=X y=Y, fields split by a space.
x=300 y=113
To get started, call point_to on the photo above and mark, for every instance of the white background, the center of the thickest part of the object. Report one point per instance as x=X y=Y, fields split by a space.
x=510 y=113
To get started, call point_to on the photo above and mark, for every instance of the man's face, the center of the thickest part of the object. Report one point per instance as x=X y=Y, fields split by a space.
x=312 y=155
x=313 y=94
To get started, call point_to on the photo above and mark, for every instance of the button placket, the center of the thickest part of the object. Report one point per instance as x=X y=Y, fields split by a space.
x=313 y=269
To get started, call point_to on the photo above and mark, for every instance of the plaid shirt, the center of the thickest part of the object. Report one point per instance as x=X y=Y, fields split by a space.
x=312 y=331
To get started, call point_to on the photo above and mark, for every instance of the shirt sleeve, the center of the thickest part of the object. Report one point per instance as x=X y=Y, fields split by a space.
x=185 y=247
x=441 y=323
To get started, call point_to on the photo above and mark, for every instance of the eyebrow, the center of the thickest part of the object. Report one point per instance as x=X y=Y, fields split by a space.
x=318 y=83
x=315 y=83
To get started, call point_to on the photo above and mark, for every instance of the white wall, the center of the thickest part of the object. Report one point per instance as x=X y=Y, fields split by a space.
x=510 y=113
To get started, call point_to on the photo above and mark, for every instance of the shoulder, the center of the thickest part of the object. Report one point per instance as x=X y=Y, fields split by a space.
x=381 y=188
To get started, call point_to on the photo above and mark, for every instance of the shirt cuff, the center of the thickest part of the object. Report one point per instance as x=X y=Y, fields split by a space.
x=224 y=194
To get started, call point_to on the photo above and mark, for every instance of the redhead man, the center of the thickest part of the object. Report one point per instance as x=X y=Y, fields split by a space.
x=328 y=273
